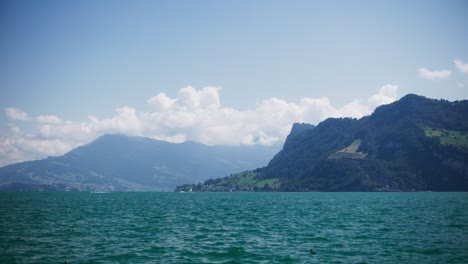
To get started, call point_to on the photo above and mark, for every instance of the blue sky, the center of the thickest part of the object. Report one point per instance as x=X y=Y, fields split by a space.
x=64 y=61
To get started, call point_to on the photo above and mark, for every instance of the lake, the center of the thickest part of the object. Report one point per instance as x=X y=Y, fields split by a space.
x=79 y=227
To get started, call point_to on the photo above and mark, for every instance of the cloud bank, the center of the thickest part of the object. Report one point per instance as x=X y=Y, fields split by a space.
x=192 y=114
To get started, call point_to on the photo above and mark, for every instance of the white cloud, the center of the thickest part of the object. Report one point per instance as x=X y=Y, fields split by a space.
x=190 y=98
x=18 y=147
x=10 y=152
x=14 y=129
x=355 y=109
x=49 y=119
x=461 y=66
x=127 y=121
x=434 y=75
x=161 y=102
x=49 y=147
x=193 y=114
x=16 y=114
x=386 y=95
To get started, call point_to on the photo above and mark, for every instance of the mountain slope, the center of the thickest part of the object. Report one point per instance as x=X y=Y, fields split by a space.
x=118 y=162
x=415 y=143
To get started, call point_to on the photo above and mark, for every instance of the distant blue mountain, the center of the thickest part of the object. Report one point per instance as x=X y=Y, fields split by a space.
x=123 y=163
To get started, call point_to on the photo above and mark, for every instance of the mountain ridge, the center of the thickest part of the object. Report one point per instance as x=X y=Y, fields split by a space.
x=128 y=163
x=413 y=144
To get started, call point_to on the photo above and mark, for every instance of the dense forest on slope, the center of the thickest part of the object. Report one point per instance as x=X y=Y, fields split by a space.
x=415 y=143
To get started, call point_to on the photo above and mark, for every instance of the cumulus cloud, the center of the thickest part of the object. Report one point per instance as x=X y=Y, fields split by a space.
x=19 y=146
x=463 y=67
x=190 y=98
x=16 y=114
x=161 y=102
x=434 y=75
x=386 y=95
x=193 y=114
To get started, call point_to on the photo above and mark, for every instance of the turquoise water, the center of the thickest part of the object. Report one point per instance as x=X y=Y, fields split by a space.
x=233 y=227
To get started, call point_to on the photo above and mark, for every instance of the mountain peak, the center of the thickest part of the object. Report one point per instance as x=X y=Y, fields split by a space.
x=112 y=136
x=130 y=163
x=300 y=127
x=412 y=96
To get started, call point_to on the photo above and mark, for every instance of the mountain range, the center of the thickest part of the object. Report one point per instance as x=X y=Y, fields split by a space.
x=116 y=162
x=413 y=144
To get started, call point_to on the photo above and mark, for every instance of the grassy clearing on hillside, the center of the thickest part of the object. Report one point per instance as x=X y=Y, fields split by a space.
x=246 y=180
x=448 y=137
x=350 y=152
x=270 y=182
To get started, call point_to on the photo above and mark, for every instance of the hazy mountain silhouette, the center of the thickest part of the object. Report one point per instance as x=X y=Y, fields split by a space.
x=119 y=162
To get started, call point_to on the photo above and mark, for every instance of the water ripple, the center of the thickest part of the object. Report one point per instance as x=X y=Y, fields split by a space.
x=234 y=227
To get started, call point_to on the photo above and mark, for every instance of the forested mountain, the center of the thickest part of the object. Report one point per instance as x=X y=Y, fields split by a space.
x=415 y=143
x=118 y=162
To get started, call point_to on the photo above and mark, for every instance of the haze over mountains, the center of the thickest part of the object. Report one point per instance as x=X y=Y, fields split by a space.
x=122 y=163
x=412 y=144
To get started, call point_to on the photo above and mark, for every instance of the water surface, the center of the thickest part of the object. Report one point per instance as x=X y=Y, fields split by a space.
x=38 y=227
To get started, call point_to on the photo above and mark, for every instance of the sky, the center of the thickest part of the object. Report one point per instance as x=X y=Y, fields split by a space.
x=216 y=72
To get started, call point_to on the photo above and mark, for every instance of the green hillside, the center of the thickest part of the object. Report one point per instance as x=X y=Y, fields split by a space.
x=413 y=144
x=247 y=181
